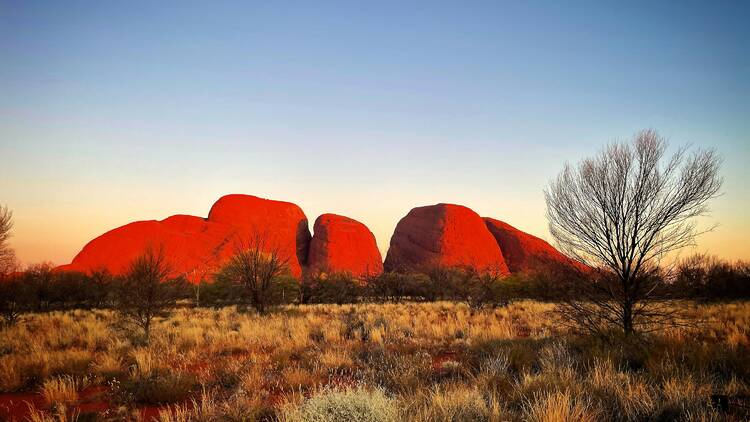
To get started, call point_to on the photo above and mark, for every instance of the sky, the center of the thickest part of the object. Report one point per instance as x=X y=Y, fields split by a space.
x=112 y=112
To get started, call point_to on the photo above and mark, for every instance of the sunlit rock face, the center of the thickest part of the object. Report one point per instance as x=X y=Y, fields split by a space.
x=196 y=247
x=341 y=244
x=444 y=235
x=523 y=251
x=281 y=226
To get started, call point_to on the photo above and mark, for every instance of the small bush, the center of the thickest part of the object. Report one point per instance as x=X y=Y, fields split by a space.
x=354 y=405
x=158 y=387
x=338 y=288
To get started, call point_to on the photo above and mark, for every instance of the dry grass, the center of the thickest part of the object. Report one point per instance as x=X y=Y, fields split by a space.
x=559 y=406
x=421 y=362
x=62 y=390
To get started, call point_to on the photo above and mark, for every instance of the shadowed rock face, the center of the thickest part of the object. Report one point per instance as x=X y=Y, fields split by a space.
x=522 y=251
x=195 y=247
x=341 y=244
x=444 y=235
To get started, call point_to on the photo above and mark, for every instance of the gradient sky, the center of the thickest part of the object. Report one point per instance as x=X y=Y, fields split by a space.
x=112 y=112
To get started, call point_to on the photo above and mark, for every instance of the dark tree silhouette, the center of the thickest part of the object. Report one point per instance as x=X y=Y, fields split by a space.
x=12 y=300
x=146 y=291
x=39 y=281
x=620 y=212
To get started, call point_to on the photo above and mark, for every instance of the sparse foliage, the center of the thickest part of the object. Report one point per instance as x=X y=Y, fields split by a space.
x=12 y=300
x=39 y=280
x=621 y=212
x=335 y=287
x=7 y=255
x=485 y=290
x=146 y=291
x=705 y=277
x=256 y=269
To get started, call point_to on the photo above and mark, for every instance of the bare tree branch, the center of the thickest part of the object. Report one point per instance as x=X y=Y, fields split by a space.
x=621 y=212
x=254 y=268
x=8 y=262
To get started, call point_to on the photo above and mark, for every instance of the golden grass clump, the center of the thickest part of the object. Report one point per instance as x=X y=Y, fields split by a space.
x=62 y=390
x=559 y=407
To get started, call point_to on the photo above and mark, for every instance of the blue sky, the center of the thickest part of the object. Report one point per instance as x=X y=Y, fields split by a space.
x=111 y=113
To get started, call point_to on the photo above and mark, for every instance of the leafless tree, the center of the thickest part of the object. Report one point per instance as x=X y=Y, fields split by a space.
x=146 y=291
x=621 y=212
x=9 y=283
x=8 y=262
x=254 y=268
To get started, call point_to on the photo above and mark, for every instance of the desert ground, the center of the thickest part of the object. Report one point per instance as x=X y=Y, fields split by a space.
x=438 y=361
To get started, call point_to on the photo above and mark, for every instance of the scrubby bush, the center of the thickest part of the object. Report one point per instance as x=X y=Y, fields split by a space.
x=38 y=280
x=259 y=271
x=14 y=300
x=220 y=292
x=146 y=292
x=391 y=286
x=160 y=387
x=709 y=278
x=338 y=288
x=40 y=288
x=352 y=405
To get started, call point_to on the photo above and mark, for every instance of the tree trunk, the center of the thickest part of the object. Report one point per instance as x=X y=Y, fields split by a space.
x=147 y=329
x=258 y=302
x=627 y=318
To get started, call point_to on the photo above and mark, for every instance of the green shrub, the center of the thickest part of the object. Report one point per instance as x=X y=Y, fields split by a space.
x=338 y=288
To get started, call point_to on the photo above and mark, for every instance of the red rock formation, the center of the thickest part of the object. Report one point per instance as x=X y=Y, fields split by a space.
x=444 y=235
x=341 y=244
x=523 y=251
x=282 y=226
x=191 y=244
x=195 y=247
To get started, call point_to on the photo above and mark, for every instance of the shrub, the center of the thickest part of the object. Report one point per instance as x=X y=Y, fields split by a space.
x=257 y=268
x=159 y=387
x=709 y=278
x=353 y=405
x=13 y=301
x=145 y=291
x=221 y=292
x=395 y=286
x=338 y=288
